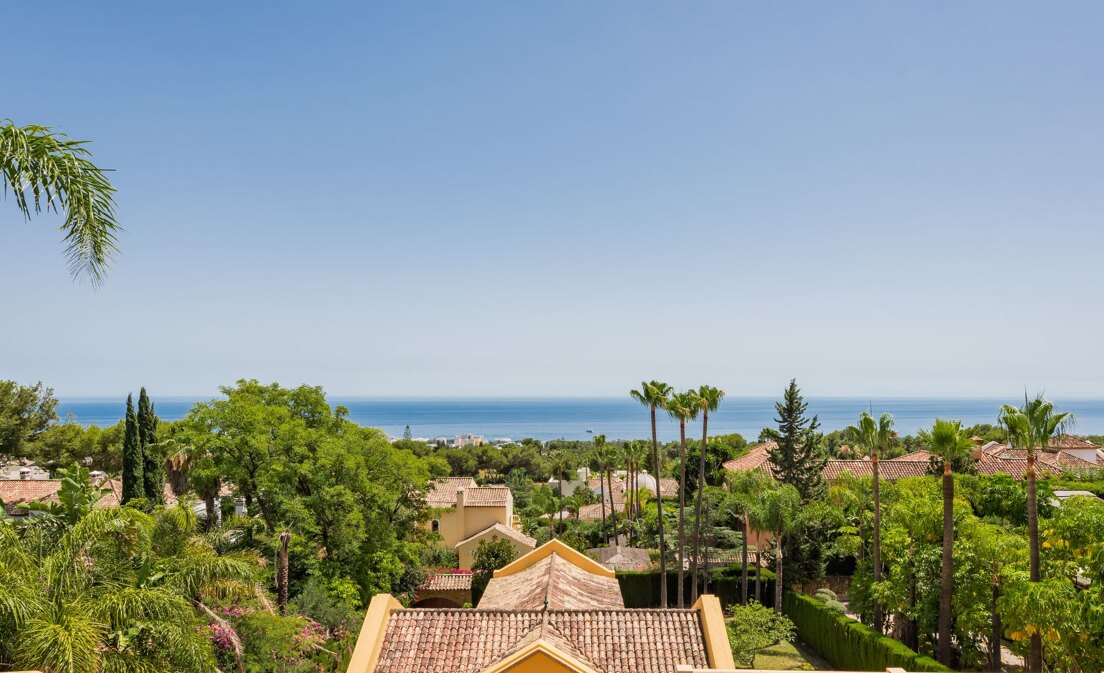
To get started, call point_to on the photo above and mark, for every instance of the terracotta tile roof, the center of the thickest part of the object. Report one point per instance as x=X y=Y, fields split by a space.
x=593 y=511
x=486 y=496
x=1013 y=467
x=443 y=493
x=611 y=641
x=447 y=582
x=115 y=497
x=1071 y=442
x=563 y=584
x=622 y=558
x=668 y=486
x=920 y=456
x=757 y=458
x=505 y=531
x=16 y=491
x=887 y=469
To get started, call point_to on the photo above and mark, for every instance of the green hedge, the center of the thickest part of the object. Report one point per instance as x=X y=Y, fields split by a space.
x=640 y=588
x=848 y=644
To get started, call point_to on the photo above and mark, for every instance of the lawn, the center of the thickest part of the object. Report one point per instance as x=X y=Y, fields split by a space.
x=784 y=657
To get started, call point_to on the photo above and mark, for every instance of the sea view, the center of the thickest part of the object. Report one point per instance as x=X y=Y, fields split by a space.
x=571 y=418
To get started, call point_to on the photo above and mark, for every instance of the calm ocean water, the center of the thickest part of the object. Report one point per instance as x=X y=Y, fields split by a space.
x=570 y=418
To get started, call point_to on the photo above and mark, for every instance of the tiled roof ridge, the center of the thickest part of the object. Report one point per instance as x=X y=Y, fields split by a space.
x=558 y=611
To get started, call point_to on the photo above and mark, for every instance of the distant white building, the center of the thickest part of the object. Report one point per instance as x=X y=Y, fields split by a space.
x=23 y=470
x=469 y=440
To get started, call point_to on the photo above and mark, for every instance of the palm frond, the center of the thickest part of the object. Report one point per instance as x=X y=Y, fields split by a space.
x=46 y=170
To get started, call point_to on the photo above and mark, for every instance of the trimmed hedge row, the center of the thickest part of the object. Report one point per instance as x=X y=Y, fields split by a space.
x=848 y=644
x=640 y=588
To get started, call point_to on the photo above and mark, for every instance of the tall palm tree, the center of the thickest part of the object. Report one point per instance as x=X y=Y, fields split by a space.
x=745 y=489
x=630 y=455
x=562 y=461
x=1032 y=427
x=654 y=395
x=605 y=456
x=47 y=170
x=874 y=436
x=950 y=442
x=682 y=407
x=777 y=512
x=708 y=399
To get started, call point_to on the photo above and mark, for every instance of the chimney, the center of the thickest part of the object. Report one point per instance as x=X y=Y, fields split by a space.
x=24 y=473
x=459 y=498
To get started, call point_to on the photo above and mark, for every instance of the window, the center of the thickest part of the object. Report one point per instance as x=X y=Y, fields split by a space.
x=435 y=526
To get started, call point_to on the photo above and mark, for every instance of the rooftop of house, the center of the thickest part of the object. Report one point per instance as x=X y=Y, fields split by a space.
x=618 y=557
x=15 y=492
x=607 y=641
x=553 y=583
x=445 y=492
x=553 y=607
x=991 y=458
x=447 y=581
x=505 y=531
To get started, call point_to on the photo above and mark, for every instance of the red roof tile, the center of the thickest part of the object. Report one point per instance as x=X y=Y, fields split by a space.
x=611 y=641
x=447 y=582
x=555 y=583
x=443 y=493
x=505 y=531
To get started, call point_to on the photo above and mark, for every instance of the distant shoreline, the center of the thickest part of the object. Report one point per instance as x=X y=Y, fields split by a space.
x=617 y=418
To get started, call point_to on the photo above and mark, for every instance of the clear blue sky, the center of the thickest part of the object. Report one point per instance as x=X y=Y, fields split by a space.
x=565 y=198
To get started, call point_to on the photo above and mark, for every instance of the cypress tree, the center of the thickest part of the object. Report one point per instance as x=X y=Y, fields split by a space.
x=133 y=486
x=153 y=469
x=799 y=457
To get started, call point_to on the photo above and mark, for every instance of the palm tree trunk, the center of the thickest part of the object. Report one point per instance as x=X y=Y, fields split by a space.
x=1035 y=656
x=682 y=514
x=282 y=573
x=698 y=507
x=659 y=518
x=995 y=635
x=877 y=544
x=602 y=488
x=778 y=574
x=758 y=574
x=613 y=509
x=561 y=496
x=947 y=578
x=744 y=572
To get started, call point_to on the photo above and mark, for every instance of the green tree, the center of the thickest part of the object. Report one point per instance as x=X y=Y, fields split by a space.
x=1031 y=427
x=947 y=440
x=153 y=463
x=604 y=456
x=489 y=556
x=777 y=512
x=754 y=627
x=654 y=395
x=745 y=489
x=707 y=399
x=682 y=407
x=117 y=591
x=798 y=457
x=874 y=436
x=133 y=462
x=47 y=170
x=25 y=413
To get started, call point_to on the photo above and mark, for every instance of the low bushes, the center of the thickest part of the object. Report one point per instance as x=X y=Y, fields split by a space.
x=848 y=644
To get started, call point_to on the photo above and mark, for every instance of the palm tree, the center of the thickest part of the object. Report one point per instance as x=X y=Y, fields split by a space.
x=745 y=488
x=947 y=440
x=562 y=461
x=708 y=399
x=47 y=170
x=117 y=591
x=631 y=454
x=654 y=395
x=1032 y=427
x=682 y=407
x=777 y=512
x=604 y=456
x=872 y=437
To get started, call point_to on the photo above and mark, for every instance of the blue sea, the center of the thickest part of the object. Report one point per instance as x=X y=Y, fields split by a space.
x=617 y=418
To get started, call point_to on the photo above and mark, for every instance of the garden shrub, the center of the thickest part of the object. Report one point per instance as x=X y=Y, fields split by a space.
x=848 y=644
x=753 y=627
